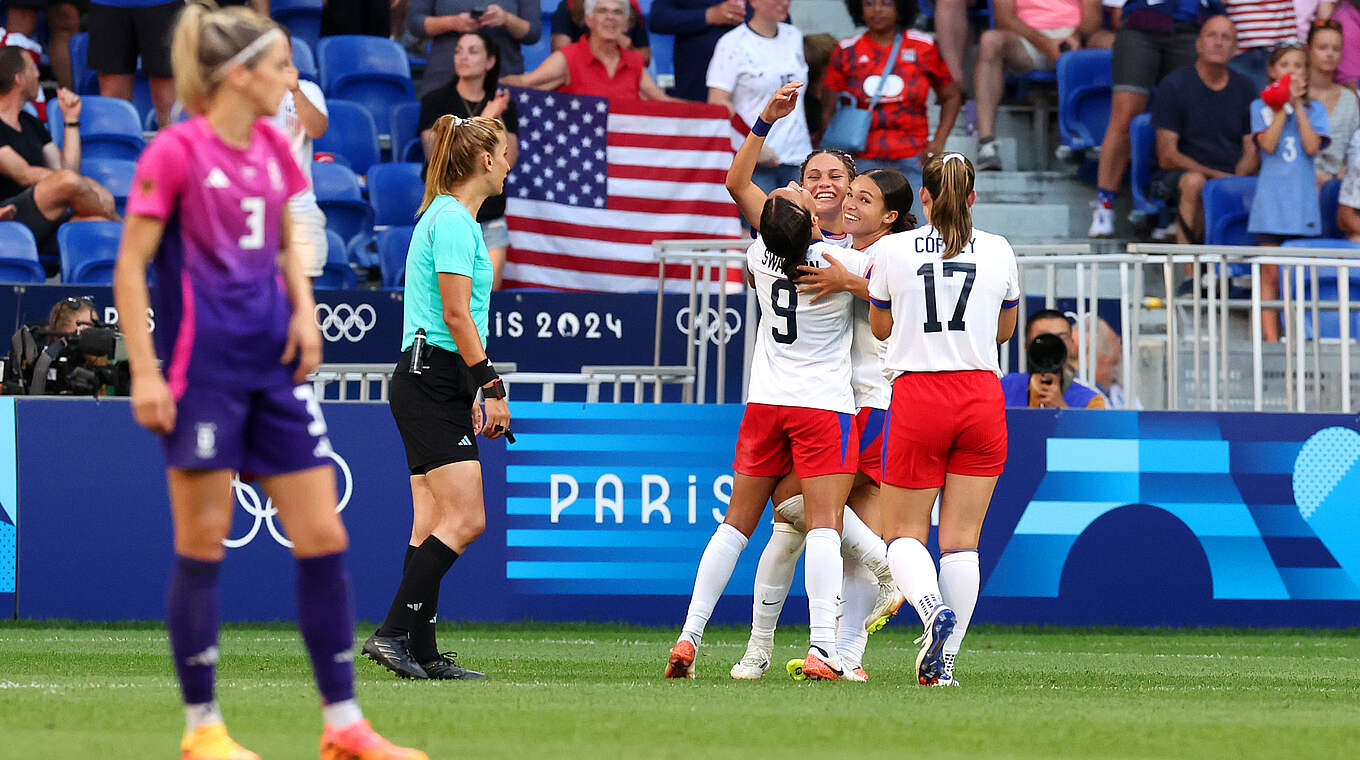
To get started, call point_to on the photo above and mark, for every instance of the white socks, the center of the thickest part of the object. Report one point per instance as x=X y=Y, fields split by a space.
x=822 y=574
x=913 y=570
x=858 y=595
x=959 y=580
x=860 y=543
x=203 y=714
x=715 y=569
x=341 y=714
x=774 y=575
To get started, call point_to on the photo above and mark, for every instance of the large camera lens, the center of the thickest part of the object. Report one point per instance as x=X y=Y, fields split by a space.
x=94 y=341
x=1047 y=353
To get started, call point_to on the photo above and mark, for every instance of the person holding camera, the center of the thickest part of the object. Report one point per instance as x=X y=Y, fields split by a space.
x=1050 y=383
x=70 y=354
x=511 y=23
x=434 y=387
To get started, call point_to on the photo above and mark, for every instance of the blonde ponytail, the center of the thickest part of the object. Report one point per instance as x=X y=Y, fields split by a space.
x=456 y=153
x=948 y=177
x=205 y=42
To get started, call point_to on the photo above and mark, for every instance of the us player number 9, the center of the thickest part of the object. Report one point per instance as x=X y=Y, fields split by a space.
x=789 y=311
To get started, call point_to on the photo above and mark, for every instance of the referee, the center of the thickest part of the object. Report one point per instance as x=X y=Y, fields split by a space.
x=434 y=387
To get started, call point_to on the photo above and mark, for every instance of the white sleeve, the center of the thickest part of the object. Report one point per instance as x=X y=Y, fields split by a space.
x=722 y=68
x=1012 y=297
x=314 y=96
x=879 y=293
x=855 y=261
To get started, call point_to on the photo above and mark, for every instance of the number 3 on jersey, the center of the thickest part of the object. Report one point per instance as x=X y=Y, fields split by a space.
x=253 y=240
x=789 y=311
x=932 y=324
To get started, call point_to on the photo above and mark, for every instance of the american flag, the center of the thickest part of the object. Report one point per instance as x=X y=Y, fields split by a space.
x=597 y=181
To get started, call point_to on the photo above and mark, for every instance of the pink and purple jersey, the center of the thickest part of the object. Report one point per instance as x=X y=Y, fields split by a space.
x=221 y=308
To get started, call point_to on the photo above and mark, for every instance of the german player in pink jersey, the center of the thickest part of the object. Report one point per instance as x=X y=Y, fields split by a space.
x=237 y=334
x=943 y=297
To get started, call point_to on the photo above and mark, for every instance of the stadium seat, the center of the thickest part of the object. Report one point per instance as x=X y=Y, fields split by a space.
x=305 y=61
x=539 y=51
x=1142 y=162
x=109 y=128
x=395 y=191
x=1084 y=82
x=371 y=71
x=114 y=174
x=88 y=250
x=405 y=133
x=1329 y=322
x=393 y=243
x=663 y=56
x=19 y=255
x=1329 y=197
x=338 y=274
x=347 y=213
x=85 y=79
x=301 y=17
x=353 y=135
x=1227 y=203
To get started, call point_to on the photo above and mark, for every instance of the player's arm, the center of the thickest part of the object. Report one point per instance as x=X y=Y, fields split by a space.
x=750 y=198
x=1005 y=323
x=152 y=404
x=304 y=337
x=880 y=319
x=455 y=296
x=835 y=277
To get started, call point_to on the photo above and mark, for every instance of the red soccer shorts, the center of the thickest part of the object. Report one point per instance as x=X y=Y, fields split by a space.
x=944 y=422
x=870 y=422
x=811 y=442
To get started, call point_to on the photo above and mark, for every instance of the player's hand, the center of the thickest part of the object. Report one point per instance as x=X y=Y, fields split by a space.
x=497 y=105
x=729 y=13
x=477 y=417
x=823 y=281
x=1047 y=388
x=70 y=104
x=782 y=103
x=304 y=345
x=152 y=404
x=497 y=418
x=494 y=16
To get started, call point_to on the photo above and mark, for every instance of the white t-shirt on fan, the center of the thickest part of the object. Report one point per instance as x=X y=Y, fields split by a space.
x=752 y=67
x=289 y=123
x=944 y=311
x=802 y=351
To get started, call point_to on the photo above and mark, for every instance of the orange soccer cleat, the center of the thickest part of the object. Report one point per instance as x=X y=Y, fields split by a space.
x=358 y=741
x=819 y=666
x=210 y=742
x=681 y=664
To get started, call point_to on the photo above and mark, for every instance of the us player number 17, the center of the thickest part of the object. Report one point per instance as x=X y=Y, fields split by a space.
x=253 y=240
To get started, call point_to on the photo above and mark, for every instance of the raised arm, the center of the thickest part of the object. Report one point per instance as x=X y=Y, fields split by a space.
x=750 y=198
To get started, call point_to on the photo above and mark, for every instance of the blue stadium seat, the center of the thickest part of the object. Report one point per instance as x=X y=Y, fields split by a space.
x=395 y=191
x=114 y=174
x=371 y=71
x=393 y=243
x=301 y=17
x=1227 y=203
x=1084 y=83
x=352 y=135
x=538 y=52
x=405 y=135
x=1329 y=322
x=88 y=250
x=109 y=128
x=86 y=80
x=1142 y=162
x=1329 y=197
x=347 y=213
x=663 y=54
x=305 y=61
x=338 y=274
x=19 y=255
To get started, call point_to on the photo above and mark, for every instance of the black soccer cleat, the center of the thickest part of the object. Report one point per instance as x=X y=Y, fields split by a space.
x=444 y=668
x=391 y=653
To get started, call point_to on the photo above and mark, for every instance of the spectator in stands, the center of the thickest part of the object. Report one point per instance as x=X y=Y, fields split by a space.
x=511 y=23
x=1343 y=107
x=63 y=20
x=121 y=31
x=1261 y=26
x=371 y=17
x=1154 y=39
x=749 y=64
x=697 y=26
x=1109 y=360
x=41 y=182
x=1347 y=14
x=1029 y=36
x=303 y=117
x=951 y=33
x=1289 y=136
x=1192 y=149
x=1058 y=389
x=899 y=135
x=1308 y=11
x=476 y=73
x=569 y=24
x=1348 y=206
x=598 y=63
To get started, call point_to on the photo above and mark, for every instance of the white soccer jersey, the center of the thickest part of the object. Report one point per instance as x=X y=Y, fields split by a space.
x=752 y=68
x=944 y=311
x=802 y=352
x=869 y=381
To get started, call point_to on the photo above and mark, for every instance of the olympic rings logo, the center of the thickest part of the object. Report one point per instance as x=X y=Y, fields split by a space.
x=264 y=513
x=708 y=325
x=344 y=321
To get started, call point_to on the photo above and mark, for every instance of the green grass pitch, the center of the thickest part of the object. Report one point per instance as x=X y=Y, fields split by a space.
x=595 y=691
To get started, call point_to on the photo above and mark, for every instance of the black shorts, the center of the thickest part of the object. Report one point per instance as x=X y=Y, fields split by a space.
x=433 y=410
x=122 y=34
x=1142 y=58
x=26 y=213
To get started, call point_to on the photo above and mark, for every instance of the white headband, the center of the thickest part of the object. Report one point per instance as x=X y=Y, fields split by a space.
x=954 y=157
x=250 y=51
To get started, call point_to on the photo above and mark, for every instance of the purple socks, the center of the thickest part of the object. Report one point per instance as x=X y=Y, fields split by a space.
x=192 y=618
x=326 y=619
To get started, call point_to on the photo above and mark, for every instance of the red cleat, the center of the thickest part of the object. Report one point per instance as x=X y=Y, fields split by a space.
x=681 y=664
x=358 y=741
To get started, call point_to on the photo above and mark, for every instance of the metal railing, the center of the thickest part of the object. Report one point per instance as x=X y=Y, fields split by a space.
x=371 y=382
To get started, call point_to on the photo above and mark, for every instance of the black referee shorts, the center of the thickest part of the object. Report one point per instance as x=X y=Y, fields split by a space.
x=433 y=410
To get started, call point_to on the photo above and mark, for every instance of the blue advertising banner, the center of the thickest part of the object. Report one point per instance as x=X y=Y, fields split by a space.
x=601 y=511
x=9 y=501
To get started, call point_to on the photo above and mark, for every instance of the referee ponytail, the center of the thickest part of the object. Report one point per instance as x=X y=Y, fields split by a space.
x=948 y=179
x=459 y=145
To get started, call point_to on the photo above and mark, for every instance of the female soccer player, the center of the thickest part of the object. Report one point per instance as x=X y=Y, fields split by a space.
x=943 y=297
x=799 y=417
x=237 y=332
x=448 y=296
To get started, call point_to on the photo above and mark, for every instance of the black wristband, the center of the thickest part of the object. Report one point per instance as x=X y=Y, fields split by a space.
x=75 y=124
x=482 y=372
x=496 y=389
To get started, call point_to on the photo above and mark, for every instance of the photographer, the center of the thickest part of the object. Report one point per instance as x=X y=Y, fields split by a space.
x=72 y=354
x=1050 y=383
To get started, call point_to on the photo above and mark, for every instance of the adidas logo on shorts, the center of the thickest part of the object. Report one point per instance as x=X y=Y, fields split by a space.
x=465 y=442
